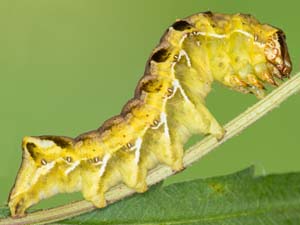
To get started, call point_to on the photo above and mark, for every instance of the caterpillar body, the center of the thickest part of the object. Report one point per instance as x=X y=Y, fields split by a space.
x=168 y=107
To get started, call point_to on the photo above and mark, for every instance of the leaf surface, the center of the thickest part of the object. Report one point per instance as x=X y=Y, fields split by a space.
x=239 y=198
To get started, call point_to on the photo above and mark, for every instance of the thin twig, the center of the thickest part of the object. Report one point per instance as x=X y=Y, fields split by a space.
x=162 y=172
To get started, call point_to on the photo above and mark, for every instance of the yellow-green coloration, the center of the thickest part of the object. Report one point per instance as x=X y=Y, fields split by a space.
x=168 y=107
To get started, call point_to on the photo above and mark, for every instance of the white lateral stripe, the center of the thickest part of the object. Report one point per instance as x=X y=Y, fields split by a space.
x=250 y=36
x=44 y=143
x=138 y=145
x=244 y=33
x=183 y=38
x=184 y=53
x=165 y=122
x=104 y=164
x=181 y=53
x=173 y=68
x=72 y=167
x=42 y=171
x=178 y=86
x=183 y=94
x=220 y=36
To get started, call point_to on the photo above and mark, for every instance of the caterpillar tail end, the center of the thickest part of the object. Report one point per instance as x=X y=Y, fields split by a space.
x=17 y=207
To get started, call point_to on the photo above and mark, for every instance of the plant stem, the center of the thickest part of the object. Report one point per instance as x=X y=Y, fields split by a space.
x=161 y=172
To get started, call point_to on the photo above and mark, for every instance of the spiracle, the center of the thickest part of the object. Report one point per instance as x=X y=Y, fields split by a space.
x=167 y=108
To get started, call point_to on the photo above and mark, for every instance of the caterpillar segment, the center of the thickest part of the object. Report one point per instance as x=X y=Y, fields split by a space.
x=168 y=107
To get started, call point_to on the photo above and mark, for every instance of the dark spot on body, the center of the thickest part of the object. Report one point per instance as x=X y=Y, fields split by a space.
x=170 y=91
x=129 y=145
x=155 y=123
x=59 y=141
x=43 y=162
x=158 y=88
x=30 y=148
x=208 y=13
x=18 y=207
x=161 y=55
x=181 y=25
x=69 y=159
x=149 y=84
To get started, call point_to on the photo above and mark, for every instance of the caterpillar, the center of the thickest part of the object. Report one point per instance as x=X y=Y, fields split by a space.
x=167 y=108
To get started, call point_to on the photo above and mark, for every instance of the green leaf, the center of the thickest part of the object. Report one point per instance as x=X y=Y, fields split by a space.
x=4 y=212
x=239 y=198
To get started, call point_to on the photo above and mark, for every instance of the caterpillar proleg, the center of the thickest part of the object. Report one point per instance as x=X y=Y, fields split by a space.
x=167 y=108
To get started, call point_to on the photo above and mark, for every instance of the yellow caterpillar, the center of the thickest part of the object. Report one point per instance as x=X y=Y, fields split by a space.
x=168 y=107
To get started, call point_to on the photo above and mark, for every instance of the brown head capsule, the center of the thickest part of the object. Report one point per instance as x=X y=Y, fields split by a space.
x=276 y=53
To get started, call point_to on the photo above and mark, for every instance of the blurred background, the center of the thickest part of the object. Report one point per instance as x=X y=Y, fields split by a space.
x=68 y=65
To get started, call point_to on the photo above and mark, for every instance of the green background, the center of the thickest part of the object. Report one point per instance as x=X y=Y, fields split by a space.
x=68 y=65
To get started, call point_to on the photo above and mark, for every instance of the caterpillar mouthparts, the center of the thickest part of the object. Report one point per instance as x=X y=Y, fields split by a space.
x=168 y=107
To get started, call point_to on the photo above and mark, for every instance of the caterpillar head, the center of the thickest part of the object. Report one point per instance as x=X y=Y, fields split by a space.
x=276 y=53
x=43 y=157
